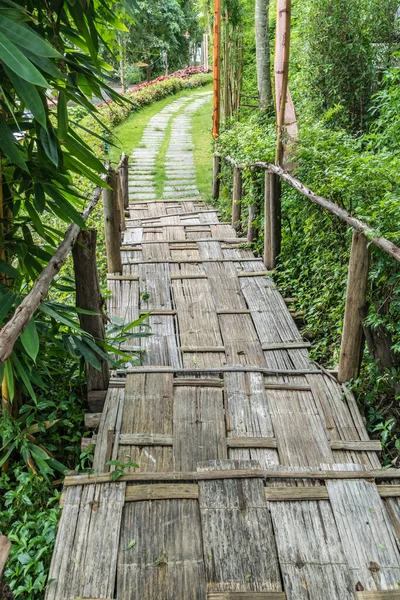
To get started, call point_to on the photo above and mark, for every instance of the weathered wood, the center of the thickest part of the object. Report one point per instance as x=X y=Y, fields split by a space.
x=378 y=595
x=187 y=382
x=211 y=349
x=286 y=346
x=87 y=543
x=251 y=229
x=237 y=199
x=5 y=547
x=223 y=369
x=92 y=420
x=167 y=491
x=215 y=177
x=96 y=399
x=123 y=277
x=320 y=492
x=112 y=224
x=254 y=273
x=246 y=596
x=232 y=514
x=251 y=442
x=368 y=540
x=359 y=446
x=145 y=439
x=88 y=297
x=353 y=336
x=123 y=174
x=272 y=219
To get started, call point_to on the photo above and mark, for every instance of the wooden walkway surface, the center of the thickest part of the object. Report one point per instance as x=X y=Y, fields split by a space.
x=237 y=398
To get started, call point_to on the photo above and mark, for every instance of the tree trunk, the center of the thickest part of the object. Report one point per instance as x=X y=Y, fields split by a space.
x=148 y=70
x=263 y=59
x=88 y=297
x=122 y=62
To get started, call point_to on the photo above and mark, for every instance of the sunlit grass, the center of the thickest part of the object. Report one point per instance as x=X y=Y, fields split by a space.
x=202 y=148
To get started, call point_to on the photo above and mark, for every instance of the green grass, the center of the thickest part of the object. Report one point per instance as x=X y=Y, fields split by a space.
x=202 y=148
x=128 y=134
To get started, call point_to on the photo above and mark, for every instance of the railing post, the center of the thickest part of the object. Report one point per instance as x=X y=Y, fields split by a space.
x=112 y=224
x=236 y=198
x=353 y=336
x=120 y=199
x=215 y=180
x=272 y=219
x=123 y=173
x=251 y=230
x=88 y=297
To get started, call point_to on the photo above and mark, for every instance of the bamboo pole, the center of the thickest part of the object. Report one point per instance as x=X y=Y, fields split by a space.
x=123 y=169
x=88 y=297
x=272 y=219
x=112 y=224
x=217 y=68
x=227 y=110
x=353 y=336
x=236 y=198
x=251 y=230
x=215 y=179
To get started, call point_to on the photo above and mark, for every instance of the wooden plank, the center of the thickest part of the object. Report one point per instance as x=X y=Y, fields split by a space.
x=157 y=312
x=233 y=241
x=92 y=420
x=122 y=277
x=379 y=595
x=187 y=382
x=5 y=547
x=160 y=552
x=107 y=429
x=189 y=276
x=389 y=491
x=167 y=491
x=246 y=596
x=211 y=349
x=238 y=540
x=310 y=554
x=84 y=562
x=73 y=480
x=143 y=439
x=251 y=442
x=199 y=426
x=221 y=369
x=255 y=273
x=299 y=387
x=286 y=346
x=369 y=543
x=357 y=445
x=148 y=410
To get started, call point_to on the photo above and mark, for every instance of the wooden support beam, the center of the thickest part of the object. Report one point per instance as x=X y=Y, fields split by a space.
x=286 y=346
x=112 y=224
x=246 y=596
x=251 y=230
x=222 y=369
x=186 y=382
x=88 y=298
x=255 y=273
x=216 y=183
x=111 y=277
x=211 y=349
x=357 y=446
x=251 y=442
x=236 y=198
x=145 y=439
x=123 y=169
x=272 y=219
x=92 y=420
x=166 y=491
x=353 y=336
x=320 y=492
x=378 y=595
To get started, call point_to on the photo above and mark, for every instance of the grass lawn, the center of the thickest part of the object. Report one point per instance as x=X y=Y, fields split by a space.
x=202 y=148
x=128 y=134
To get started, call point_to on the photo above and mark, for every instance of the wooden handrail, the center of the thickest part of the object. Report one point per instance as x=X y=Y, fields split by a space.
x=352 y=337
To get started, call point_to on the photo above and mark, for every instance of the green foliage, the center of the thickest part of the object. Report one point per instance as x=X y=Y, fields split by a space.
x=339 y=49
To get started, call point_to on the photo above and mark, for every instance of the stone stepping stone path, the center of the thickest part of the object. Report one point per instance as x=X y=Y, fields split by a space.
x=179 y=164
x=143 y=158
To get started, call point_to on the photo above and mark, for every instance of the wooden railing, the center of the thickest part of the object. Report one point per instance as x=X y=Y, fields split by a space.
x=352 y=336
x=83 y=244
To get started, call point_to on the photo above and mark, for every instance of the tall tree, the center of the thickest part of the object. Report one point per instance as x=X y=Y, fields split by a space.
x=263 y=58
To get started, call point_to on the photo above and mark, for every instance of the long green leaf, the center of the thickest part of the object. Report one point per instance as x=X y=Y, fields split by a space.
x=49 y=145
x=66 y=211
x=29 y=95
x=30 y=339
x=9 y=375
x=24 y=36
x=24 y=377
x=78 y=150
x=87 y=353
x=8 y=270
x=62 y=116
x=44 y=64
x=9 y=146
x=11 y=56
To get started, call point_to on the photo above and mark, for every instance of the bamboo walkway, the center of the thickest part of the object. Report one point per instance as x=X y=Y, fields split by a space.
x=254 y=475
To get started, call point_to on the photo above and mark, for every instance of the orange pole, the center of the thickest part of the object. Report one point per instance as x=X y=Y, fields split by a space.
x=217 y=68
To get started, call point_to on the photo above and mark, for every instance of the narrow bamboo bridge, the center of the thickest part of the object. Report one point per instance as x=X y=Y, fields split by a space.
x=256 y=478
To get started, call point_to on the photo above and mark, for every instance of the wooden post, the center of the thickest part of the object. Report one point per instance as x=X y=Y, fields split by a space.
x=112 y=225
x=215 y=180
x=236 y=198
x=120 y=199
x=88 y=297
x=282 y=54
x=251 y=230
x=123 y=173
x=353 y=336
x=217 y=68
x=272 y=219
